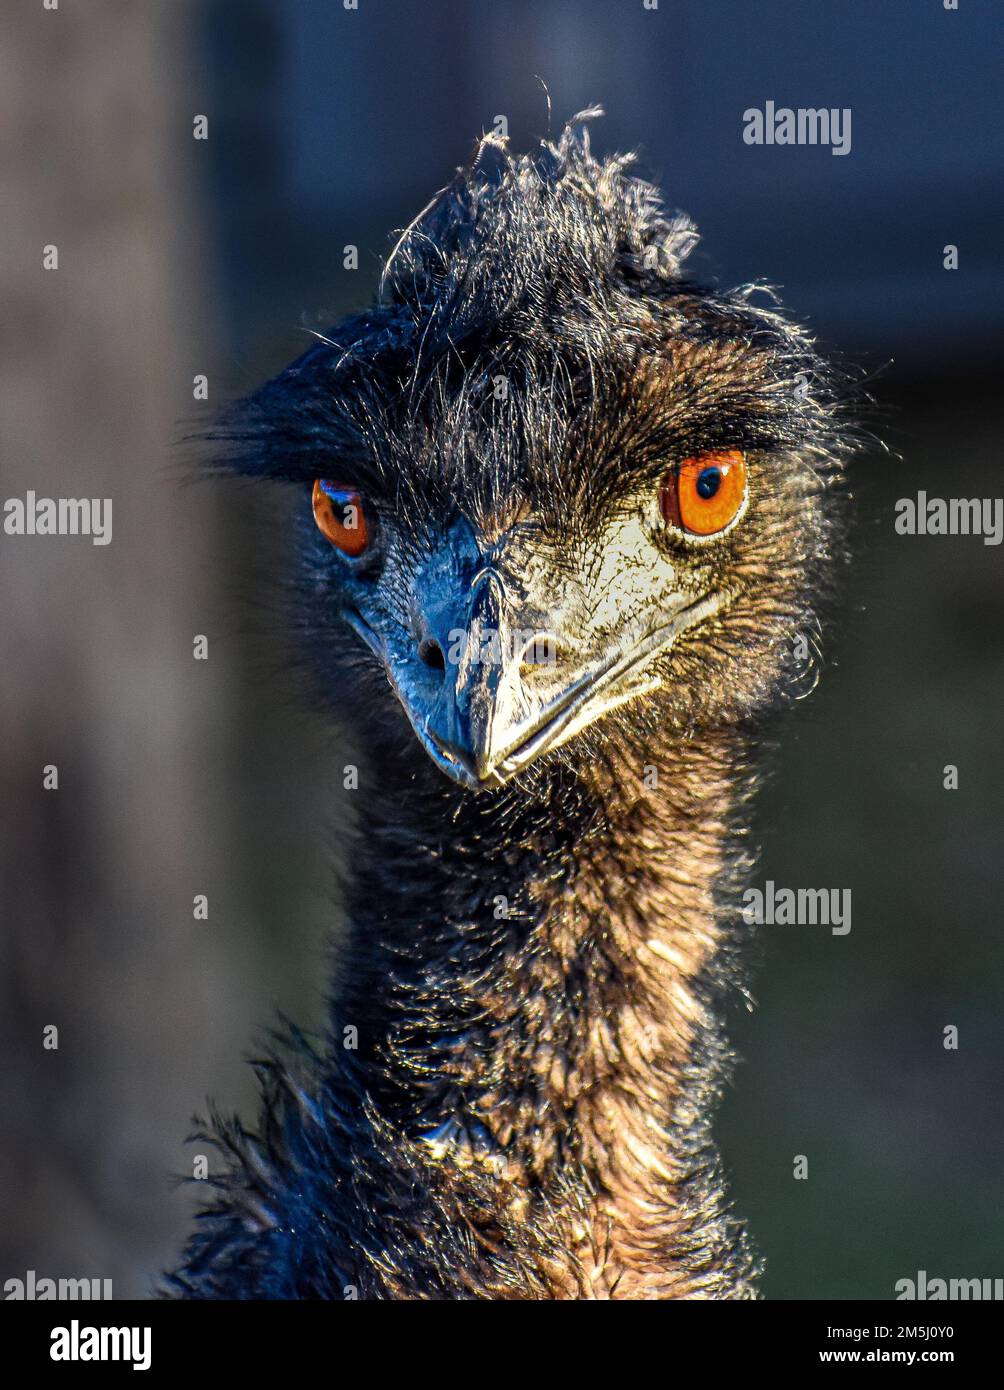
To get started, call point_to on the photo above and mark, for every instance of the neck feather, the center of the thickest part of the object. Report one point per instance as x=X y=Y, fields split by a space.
x=533 y=976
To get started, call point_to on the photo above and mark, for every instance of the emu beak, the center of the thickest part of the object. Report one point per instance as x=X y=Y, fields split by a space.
x=506 y=699
x=484 y=705
x=490 y=682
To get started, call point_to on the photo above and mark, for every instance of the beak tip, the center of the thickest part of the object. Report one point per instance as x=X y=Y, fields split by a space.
x=483 y=767
x=464 y=761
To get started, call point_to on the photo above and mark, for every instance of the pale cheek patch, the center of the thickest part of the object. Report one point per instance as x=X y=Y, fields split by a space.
x=631 y=572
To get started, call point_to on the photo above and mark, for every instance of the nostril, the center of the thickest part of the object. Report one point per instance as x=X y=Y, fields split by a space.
x=431 y=653
x=540 y=650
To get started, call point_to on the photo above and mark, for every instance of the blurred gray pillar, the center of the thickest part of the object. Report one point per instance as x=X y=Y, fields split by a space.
x=96 y=669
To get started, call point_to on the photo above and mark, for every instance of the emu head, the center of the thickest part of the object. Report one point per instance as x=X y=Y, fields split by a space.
x=550 y=489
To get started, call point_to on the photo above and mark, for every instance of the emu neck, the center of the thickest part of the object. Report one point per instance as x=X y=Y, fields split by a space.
x=531 y=975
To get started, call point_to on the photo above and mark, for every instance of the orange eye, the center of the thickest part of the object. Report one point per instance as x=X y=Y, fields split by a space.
x=339 y=514
x=705 y=493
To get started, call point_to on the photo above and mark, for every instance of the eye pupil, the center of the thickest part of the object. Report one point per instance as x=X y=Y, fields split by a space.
x=709 y=480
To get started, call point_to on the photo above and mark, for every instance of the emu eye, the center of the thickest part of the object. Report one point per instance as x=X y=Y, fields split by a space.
x=339 y=514
x=705 y=493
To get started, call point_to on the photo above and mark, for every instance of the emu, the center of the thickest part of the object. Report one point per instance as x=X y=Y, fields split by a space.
x=541 y=427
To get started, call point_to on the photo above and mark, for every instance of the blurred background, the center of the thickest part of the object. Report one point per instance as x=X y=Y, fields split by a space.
x=330 y=127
